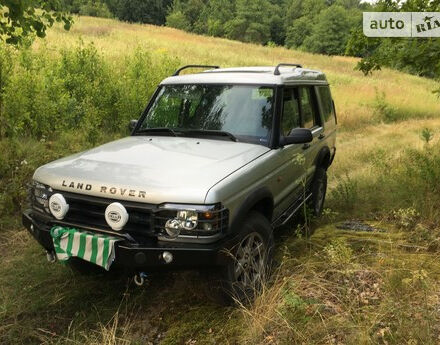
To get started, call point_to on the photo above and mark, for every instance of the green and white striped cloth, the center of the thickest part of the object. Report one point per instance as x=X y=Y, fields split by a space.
x=95 y=248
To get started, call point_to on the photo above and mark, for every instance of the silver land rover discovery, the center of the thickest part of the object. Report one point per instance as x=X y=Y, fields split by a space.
x=217 y=161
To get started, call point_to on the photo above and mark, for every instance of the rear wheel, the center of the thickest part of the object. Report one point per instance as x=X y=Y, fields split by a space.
x=250 y=260
x=319 y=190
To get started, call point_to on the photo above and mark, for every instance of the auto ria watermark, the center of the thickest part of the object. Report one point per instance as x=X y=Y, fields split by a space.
x=401 y=24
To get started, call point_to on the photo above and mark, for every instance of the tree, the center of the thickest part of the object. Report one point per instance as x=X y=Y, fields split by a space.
x=177 y=20
x=140 y=11
x=214 y=16
x=330 y=33
x=20 y=19
x=297 y=33
x=186 y=13
x=251 y=23
x=277 y=29
x=299 y=19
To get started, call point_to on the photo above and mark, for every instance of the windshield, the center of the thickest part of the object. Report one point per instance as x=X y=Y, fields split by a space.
x=243 y=111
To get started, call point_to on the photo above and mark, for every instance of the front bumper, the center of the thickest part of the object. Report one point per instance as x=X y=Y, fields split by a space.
x=147 y=257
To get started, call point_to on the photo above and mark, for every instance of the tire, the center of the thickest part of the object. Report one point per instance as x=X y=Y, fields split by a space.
x=250 y=260
x=319 y=190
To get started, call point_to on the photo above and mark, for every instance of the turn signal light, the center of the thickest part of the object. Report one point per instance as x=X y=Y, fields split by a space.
x=208 y=215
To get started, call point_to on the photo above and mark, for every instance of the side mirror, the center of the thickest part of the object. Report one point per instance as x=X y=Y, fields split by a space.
x=297 y=136
x=132 y=125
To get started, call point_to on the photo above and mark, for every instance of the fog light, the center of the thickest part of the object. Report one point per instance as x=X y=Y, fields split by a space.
x=58 y=206
x=189 y=219
x=167 y=257
x=207 y=226
x=172 y=227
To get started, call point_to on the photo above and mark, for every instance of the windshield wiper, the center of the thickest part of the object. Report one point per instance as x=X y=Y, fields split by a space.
x=159 y=130
x=213 y=133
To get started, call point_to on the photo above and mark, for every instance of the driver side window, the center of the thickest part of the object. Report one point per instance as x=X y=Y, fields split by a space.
x=290 y=118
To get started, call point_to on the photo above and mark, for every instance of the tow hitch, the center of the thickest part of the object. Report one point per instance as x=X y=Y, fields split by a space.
x=139 y=279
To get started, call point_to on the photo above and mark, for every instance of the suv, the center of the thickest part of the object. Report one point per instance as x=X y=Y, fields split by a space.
x=217 y=160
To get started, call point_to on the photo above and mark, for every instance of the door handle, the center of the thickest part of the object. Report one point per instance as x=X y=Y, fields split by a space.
x=306 y=146
x=321 y=136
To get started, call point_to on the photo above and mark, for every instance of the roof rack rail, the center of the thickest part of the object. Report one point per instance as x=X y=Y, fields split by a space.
x=193 y=66
x=277 y=69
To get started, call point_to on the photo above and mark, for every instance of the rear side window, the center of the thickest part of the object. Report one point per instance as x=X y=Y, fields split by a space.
x=291 y=118
x=309 y=111
x=328 y=110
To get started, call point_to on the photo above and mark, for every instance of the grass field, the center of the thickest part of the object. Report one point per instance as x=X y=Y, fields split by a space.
x=339 y=287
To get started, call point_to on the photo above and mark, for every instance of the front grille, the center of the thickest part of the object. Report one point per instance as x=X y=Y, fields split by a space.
x=89 y=212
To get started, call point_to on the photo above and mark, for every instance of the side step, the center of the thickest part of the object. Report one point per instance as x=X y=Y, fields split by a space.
x=290 y=212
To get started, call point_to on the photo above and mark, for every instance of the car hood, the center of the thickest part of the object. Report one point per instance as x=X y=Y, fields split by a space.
x=150 y=169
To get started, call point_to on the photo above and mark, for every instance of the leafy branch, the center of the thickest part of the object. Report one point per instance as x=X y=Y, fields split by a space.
x=19 y=19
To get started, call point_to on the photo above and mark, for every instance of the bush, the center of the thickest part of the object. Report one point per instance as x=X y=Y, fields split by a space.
x=385 y=111
x=54 y=105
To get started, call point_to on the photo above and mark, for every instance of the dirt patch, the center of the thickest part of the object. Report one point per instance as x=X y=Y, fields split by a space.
x=358 y=225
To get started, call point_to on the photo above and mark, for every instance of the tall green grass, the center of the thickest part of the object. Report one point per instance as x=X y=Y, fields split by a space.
x=43 y=92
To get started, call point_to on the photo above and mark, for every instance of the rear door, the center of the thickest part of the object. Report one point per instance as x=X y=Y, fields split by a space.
x=328 y=114
x=311 y=119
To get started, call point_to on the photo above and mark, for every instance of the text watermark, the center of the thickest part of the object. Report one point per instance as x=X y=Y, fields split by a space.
x=401 y=24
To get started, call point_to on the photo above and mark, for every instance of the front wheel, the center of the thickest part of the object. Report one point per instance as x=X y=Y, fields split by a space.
x=250 y=260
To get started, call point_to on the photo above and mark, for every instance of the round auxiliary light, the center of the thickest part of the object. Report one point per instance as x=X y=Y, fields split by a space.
x=188 y=219
x=172 y=227
x=116 y=216
x=167 y=257
x=58 y=206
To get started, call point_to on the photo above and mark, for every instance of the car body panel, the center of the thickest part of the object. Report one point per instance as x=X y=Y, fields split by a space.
x=166 y=169
x=274 y=171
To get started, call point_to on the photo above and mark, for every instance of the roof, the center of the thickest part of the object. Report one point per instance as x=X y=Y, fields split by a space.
x=250 y=75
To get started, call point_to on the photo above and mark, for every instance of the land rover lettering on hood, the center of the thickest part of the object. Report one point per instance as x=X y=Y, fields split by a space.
x=216 y=163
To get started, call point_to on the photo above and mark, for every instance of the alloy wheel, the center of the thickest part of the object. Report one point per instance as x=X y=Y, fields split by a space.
x=250 y=262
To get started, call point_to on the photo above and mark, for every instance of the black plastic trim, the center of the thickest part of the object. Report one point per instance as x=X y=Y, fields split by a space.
x=251 y=200
x=193 y=66
x=319 y=160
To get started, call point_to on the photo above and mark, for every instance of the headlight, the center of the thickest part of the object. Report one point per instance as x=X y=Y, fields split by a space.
x=173 y=227
x=188 y=219
x=40 y=195
x=184 y=220
x=176 y=220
